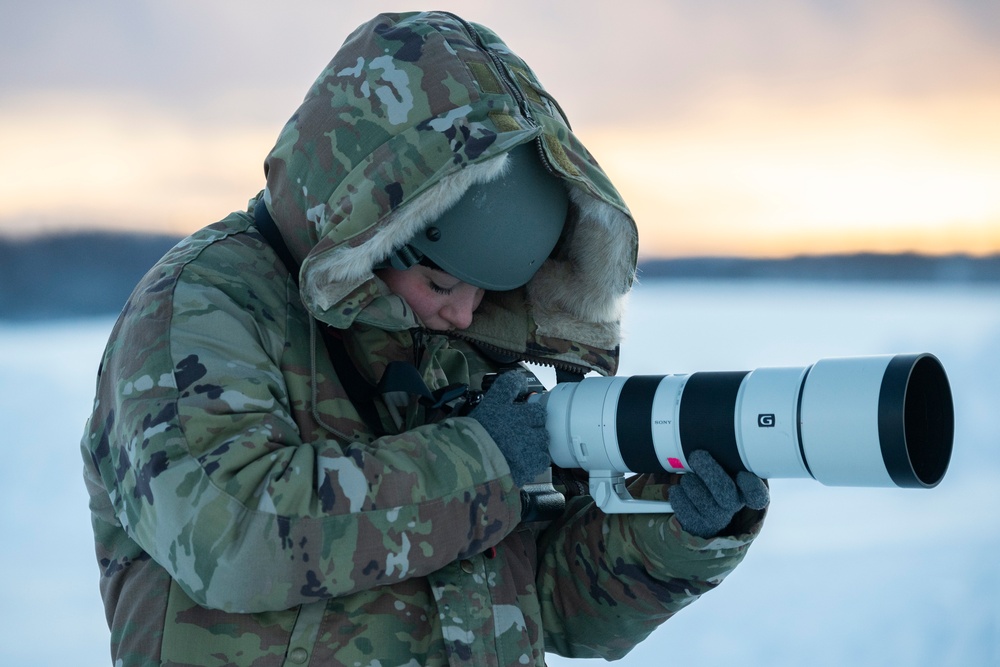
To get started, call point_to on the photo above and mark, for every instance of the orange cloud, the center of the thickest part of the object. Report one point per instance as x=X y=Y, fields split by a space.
x=119 y=164
x=750 y=177
x=867 y=174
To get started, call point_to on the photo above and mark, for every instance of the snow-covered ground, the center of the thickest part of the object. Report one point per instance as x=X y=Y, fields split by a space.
x=840 y=576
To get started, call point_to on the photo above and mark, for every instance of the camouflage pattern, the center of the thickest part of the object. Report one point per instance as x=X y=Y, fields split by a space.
x=245 y=514
x=409 y=101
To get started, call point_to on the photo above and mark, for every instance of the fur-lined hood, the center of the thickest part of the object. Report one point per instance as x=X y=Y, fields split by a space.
x=412 y=110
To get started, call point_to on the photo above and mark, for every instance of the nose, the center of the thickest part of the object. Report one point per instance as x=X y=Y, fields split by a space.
x=460 y=308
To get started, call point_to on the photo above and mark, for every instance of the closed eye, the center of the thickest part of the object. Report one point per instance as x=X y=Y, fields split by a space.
x=443 y=291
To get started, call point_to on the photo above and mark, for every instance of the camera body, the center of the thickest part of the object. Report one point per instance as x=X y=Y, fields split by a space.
x=878 y=421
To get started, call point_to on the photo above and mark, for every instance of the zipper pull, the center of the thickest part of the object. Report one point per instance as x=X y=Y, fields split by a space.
x=419 y=346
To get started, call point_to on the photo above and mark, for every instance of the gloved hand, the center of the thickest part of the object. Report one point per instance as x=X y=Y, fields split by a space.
x=707 y=498
x=517 y=428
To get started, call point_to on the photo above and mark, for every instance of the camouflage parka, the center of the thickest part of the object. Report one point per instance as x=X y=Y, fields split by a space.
x=246 y=514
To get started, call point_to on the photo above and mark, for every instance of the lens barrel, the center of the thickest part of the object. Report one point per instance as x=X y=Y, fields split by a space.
x=857 y=421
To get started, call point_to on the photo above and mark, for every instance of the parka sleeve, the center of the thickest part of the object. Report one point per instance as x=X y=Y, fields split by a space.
x=198 y=449
x=606 y=581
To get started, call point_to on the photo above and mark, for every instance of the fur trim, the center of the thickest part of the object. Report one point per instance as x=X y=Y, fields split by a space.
x=590 y=279
x=332 y=275
x=579 y=294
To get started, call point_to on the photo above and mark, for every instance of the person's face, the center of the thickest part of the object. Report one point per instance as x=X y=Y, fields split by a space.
x=440 y=300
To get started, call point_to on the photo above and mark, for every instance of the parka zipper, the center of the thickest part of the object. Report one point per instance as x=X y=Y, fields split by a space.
x=520 y=356
x=500 y=66
x=510 y=83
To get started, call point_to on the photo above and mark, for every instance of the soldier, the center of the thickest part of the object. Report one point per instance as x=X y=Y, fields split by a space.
x=281 y=463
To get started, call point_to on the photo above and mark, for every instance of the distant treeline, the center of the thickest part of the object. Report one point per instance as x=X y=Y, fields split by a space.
x=84 y=274
x=73 y=275
x=855 y=267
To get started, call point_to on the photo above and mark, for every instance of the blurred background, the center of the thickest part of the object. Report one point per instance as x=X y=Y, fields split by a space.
x=732 y=127
x=810 y=178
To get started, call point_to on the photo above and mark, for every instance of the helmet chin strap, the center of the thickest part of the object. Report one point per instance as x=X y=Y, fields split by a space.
x=401 y=259
x=406 y=258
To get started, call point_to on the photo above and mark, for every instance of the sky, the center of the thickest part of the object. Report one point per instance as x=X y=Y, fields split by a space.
x=764 y=128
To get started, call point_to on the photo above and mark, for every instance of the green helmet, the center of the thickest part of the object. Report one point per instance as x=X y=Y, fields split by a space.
x=498 y=233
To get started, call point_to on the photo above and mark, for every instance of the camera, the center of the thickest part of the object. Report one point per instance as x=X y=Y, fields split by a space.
x=878 y=421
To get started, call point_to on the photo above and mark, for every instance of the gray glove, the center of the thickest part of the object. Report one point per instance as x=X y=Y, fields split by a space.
x=707 y=498
x=517 y=428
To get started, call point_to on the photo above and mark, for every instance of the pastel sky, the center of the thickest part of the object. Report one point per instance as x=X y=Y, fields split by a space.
x=739 y=127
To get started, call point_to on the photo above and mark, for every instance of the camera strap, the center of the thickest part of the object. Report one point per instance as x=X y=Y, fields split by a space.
x=360 y=392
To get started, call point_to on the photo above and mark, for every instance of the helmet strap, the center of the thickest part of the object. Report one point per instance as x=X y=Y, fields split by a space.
x=401 y=259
